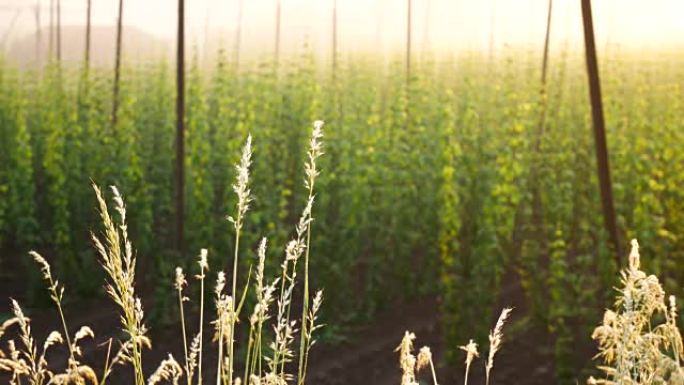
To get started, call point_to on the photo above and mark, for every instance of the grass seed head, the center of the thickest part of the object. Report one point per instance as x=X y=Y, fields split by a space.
x=634 y=258
x=471 y=351
x=54 y=338
x=203 y=263
x=495 y=339
x=180 y=281
x=638 y=340
x=168 y=370
x=241 y=186
x=424 y=358
x=407 y=361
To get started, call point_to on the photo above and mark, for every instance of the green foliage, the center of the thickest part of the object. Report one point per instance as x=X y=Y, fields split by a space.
x=442 y=183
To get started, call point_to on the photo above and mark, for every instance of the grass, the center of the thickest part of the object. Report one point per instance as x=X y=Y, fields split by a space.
x=434 y=172
x=639 y=342
x=26 y=363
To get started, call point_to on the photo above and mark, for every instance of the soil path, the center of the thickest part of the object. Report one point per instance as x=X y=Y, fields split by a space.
x=367 y=357
x=370 y=358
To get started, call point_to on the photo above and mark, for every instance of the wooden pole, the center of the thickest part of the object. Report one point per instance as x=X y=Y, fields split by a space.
x=378 y=27
x=87 y=42
x=205 y=44
x=117 y=65
x=238 y=36
x=51 y=32
x=408 y=41
x=537 y=203
x=334 y=39
x=492 y=26
x=8 y=31
x=59 y=31
x=545 y=59
x=409 y=28
x=277 y=34
x=426 y=28
x=38 y=34
x=602 y=159
x=544 y=71
x=180 y=128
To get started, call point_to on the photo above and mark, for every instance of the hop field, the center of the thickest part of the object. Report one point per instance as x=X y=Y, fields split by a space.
x=454 y=184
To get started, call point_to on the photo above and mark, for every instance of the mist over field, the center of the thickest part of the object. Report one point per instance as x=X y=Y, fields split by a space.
x=209 y=187
x=442 y=27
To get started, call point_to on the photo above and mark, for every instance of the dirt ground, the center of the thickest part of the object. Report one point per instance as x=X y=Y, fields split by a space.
x=366 y=357
x=370 y=356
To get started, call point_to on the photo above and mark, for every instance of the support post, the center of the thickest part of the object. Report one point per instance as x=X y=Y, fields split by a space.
x=180 y=128
x=602 y=160
x=87 y=42
x=117 y=66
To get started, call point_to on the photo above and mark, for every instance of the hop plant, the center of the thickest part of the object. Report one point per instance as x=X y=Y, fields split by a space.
x=26 y=362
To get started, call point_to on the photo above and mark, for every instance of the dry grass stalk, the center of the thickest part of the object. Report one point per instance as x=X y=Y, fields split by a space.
x=56 y=293
x=471 y=354
x=411 y=364
x=224 y=324
x=35 y=368
x=179 y=284
x=204 y=267
x=285 y=328
x=118 y=260
x=27 y=362
x=168 y=370
x=639 y=341
x=264 y=299
x=119 y=264
x=315 y=151
x=425 y=360
x=241 y=188
x=407 y=361
x=495 y=339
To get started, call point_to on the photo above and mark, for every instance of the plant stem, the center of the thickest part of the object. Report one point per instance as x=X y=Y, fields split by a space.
x=199 y=361
x=220 y=351
x=301 y=378
x=248 y=357
x=467 y=370
x=238 y=226
x=185 y=339
x=434 y=374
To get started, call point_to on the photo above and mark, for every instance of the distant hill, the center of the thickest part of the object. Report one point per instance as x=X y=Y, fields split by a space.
x=137 y=46
x=141 y=46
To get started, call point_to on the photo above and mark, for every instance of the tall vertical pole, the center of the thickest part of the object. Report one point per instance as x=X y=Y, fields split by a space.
x=51 y=32
x=378 y=27
x=8 y=32
x=180 y=127
x=238 y=35
x=334 y=39
x=492 y=25
x=87 y=42
x=117 y=65
x=205 y=44
x=59 y=31
x=409 y=29
x=545 y=59
x=544 y=71
x=408 y=40
x=38 y=34
x=277 y=34
x=426 y=27
x=599 y=129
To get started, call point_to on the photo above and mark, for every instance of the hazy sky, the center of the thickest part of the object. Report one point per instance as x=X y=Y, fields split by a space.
x=367 y=24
